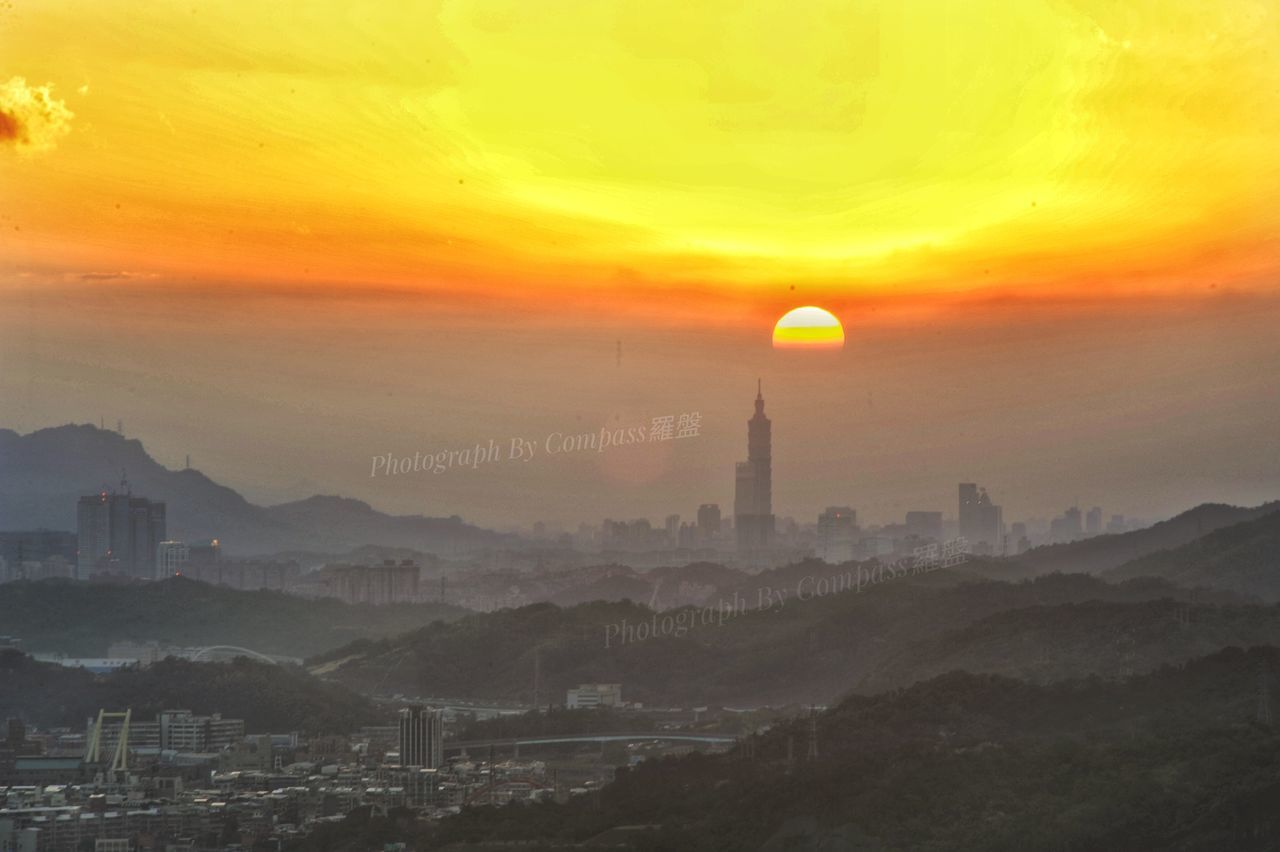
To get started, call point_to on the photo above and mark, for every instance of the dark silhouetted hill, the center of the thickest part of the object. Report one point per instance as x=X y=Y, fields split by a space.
x=1074 y=640
x=803 y=651
x=1101 y=553
x=1243 y=557
x=43 y=473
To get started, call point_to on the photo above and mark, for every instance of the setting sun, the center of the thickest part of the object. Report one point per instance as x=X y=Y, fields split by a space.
x=808 y=328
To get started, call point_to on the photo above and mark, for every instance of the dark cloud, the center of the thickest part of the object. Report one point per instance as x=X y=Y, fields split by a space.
x=31 y=119
x=8 y=127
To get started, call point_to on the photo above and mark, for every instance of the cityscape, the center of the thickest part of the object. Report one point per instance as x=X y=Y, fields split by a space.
x=476 y=426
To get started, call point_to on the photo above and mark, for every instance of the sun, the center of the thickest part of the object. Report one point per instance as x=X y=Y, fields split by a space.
x=808 y=328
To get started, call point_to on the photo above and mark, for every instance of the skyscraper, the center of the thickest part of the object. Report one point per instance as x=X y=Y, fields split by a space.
x=119 y=534
x=421 y=737
x=837 y=530
x=753 y=493
x=1093 y=521
x=171 y=558
x=980 y=519
x=709 y=519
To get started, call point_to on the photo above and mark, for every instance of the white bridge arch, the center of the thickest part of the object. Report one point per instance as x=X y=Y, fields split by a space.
x=234 y=650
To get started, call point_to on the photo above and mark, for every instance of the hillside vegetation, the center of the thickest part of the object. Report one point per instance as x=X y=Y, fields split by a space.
x=269 y=698
x=82 y=619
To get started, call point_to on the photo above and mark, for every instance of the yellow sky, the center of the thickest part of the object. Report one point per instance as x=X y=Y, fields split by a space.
x=868 y=147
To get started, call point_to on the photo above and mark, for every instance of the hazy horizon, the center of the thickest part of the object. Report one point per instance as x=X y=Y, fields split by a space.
x=1144 y=408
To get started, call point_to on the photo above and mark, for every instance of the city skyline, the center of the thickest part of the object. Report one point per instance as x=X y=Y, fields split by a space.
x=112 y=543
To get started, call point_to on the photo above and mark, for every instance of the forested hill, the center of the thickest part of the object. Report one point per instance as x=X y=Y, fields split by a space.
x=1244 y=558
x=1101 y=553
x=82 y=619
x=804 y=650
x=1176 y=759
x=271 y=699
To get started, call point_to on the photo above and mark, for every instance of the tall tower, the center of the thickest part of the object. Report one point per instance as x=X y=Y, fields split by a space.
x=753 y=493
x=421 y=737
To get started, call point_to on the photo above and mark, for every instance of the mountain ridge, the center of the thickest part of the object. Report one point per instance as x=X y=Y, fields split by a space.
x=46 y=471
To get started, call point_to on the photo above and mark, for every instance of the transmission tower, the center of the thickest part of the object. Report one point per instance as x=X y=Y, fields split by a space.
x=813 y=733
x=537 y=674
x=1264 y=696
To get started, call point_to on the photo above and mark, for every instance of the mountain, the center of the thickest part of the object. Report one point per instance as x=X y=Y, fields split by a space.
x=1172 y=760
x=800 y=651
x=1244 y=558
x=269 y=698
x=1103 y=552
x=83 y=619
x=42 y=474
x=1042 y=644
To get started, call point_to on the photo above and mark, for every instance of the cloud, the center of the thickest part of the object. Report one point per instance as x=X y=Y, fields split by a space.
x=31 y=120
x=105 y=276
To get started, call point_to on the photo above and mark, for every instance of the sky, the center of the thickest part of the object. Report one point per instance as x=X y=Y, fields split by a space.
x=285 y=237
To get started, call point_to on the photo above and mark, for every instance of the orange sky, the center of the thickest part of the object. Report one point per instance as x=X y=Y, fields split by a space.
x=624 y=149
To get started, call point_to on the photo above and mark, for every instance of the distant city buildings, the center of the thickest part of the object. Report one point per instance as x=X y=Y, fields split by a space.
x=591 y=695
x=172 y=730
x=245 y=574
x=37 y=555
x=388 y=583
x=118 y=534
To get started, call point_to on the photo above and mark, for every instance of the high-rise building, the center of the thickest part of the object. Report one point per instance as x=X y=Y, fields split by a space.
x=980 y=519
x=171 y=558
x=1073 y=526
x=1067 y=526
x=118 y=534
x=1018 y=537
x=672 y=527
x=837 y=531
x=422 y=737
x=753 y=492
x=709 y=519
x=1093 y=521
